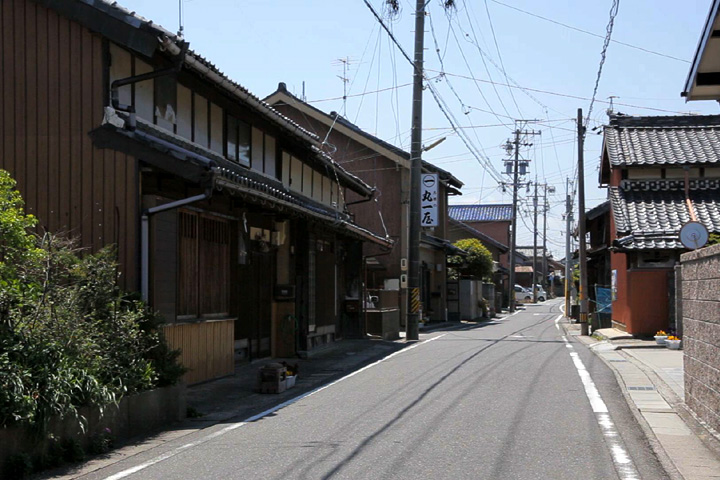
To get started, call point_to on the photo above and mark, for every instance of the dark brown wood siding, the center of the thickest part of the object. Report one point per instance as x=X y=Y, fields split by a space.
x=51 y=78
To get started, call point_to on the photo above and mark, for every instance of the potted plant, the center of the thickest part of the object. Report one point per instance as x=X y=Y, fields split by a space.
x=673 y=342
x=660 y=337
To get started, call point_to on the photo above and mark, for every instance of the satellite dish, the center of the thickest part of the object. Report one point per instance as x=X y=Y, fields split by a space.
x=694 y=235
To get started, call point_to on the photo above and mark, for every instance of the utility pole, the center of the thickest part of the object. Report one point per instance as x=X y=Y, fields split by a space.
x=583 y=293
x=535 y=232
x=513 y=226
x=517 y=170
x=544 y=237
x=568 y=234
x=412 y=325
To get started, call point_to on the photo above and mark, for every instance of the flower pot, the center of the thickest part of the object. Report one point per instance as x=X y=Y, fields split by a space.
x=660 y=339
x=673 y=344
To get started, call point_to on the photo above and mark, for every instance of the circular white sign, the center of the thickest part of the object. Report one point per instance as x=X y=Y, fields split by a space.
x=693 y=235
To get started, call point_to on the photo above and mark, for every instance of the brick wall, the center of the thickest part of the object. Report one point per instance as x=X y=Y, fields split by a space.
x=701 y=328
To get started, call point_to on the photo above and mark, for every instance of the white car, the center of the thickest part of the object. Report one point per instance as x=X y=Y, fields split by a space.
x=523 y=294
x=541 y=294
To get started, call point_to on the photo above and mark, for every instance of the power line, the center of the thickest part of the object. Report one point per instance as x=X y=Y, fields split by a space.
x=590 y=33
x=603 y=55
x=440 y=103
x=576 y=97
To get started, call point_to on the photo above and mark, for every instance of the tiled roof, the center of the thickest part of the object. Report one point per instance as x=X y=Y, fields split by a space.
x=669 y=140
x=651 y=218
x=481 y=213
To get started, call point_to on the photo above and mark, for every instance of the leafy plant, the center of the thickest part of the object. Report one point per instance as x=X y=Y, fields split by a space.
x=69 y=337
x=101 y=442
x=18 y=465
x=478 y=263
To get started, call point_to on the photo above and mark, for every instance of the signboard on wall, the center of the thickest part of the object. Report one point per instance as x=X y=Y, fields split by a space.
x=429 y=200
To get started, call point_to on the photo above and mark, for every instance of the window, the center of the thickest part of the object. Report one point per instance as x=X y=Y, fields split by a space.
x=204 y=273
x=237 y=145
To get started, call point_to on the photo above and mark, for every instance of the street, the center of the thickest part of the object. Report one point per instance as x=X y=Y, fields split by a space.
x=508 y=399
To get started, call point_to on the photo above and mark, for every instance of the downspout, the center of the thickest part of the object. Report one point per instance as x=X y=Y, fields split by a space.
x=145 y=235
x=130 y=124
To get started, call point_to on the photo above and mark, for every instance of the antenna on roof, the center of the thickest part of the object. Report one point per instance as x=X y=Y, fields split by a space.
x=610 y=110
x=345 y=62
x=304 y=99
x=180 y=19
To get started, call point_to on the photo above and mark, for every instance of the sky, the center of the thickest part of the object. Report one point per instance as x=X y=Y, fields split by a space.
x=487 y=63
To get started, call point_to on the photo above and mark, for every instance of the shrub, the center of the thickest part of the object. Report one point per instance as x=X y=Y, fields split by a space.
x=69 y=337
x=477 y=263
x=18 y=466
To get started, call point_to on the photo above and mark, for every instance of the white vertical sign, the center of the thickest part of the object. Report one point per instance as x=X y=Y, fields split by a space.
x=429 y=200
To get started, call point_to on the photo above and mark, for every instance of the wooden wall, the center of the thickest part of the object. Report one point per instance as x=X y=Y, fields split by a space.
x=207 y=348
x=52 y=84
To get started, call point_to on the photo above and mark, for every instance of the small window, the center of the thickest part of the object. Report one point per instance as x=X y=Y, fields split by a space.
x=237 y=144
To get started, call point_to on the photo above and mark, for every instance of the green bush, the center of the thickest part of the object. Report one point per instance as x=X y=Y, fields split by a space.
x=477 y=263
x=18 y=466
x=69 y=337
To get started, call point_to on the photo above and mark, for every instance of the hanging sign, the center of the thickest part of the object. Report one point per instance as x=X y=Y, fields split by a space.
x=429 y=200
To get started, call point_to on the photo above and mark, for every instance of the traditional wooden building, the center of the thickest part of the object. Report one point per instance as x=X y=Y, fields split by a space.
x=656 y=169
x=228 y=216
x=387 y=168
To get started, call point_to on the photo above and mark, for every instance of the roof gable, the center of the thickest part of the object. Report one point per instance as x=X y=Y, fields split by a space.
x=703 y=81
x=349 y=129
x=502 y=248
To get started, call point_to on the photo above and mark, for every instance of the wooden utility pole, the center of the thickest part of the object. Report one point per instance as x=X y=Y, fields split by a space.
x=568 y=234
x=412 y=324
x=583 y=291
x=513 y=226
x=535 y=233
x=544 y=281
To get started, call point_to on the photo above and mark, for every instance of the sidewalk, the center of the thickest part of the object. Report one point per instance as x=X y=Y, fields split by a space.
x=651 y=377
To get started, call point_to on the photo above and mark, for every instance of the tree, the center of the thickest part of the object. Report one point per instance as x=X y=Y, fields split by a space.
x=478 y=262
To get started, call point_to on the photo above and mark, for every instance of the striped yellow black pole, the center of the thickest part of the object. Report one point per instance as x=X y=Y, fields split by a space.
x=415 y=300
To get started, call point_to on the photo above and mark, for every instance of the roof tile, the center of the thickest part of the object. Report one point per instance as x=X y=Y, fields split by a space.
x=481 y=213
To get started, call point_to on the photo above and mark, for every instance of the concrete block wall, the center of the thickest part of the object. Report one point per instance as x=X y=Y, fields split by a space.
x=701 y=330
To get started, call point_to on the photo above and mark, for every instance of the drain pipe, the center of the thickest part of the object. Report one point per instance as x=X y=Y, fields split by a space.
x=145 y=236
x=130 y=124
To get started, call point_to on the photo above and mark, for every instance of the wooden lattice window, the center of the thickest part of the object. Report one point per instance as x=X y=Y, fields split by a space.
x=204 y=274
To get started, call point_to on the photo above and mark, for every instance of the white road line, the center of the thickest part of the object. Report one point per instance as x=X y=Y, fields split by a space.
x=622 y=461
x=234 y=426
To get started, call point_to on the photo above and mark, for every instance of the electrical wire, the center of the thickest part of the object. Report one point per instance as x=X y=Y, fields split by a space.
x=603 y=55
x=590 y=33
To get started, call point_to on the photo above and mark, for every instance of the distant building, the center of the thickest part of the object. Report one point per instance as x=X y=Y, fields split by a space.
x=493 y=221
x=387 y=169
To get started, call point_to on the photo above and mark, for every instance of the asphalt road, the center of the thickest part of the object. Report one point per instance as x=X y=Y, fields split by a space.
x=504 y=400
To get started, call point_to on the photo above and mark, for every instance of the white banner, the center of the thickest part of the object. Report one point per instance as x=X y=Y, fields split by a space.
x=429 y=187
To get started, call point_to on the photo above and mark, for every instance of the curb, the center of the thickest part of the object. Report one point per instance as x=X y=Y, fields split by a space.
x=663 y=457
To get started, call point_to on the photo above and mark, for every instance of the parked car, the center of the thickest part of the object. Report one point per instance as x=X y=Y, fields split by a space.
x=541 y=294
x=522 y=294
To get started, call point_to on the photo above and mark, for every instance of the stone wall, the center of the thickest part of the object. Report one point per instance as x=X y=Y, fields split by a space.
x=701 y=329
